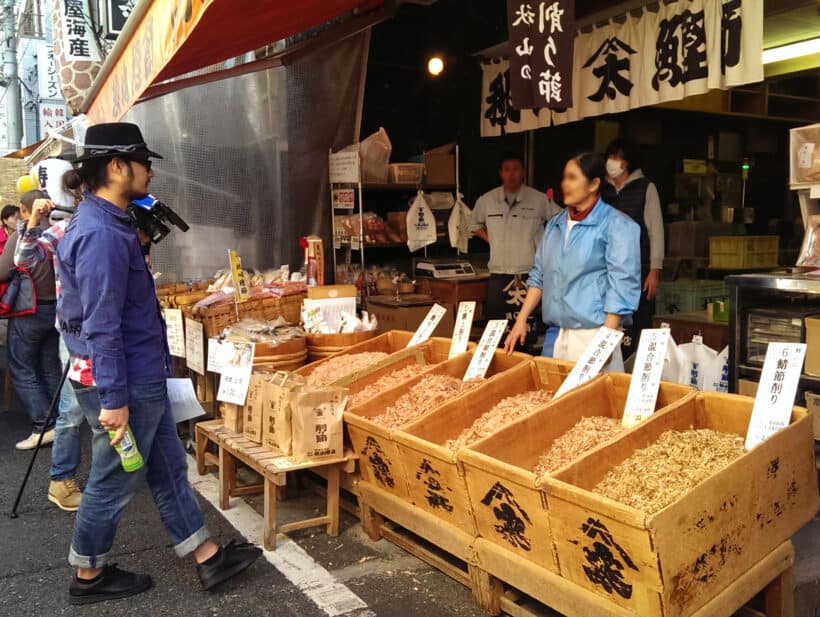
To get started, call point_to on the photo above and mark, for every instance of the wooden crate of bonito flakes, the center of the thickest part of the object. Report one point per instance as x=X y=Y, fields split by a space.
x=510 y=509
x=675 y=561
x=378 y=457
x=435 y=478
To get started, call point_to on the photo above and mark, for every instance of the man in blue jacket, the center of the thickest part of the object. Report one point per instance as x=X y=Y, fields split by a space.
x=110 y=319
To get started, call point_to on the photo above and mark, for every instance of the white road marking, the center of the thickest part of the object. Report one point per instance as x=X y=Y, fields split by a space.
x=289 y=558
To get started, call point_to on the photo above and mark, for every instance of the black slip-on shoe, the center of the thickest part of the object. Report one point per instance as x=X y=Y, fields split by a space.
x=231 y=559
x=112 y=584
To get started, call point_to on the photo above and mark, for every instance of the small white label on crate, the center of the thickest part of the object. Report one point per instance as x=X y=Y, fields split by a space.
x=428 y=326
x=485 y=352
x=804 y=155
x=175 y=331
x=775 y=394
x=646 y=376
x=461 y=333
x=355 y=243
x=237 y=366
x=592 y=360
x=194 y=346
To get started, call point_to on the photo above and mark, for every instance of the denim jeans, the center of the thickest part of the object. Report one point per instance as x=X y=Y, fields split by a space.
x=65 y=453
x=110 y=488
x=34 y=362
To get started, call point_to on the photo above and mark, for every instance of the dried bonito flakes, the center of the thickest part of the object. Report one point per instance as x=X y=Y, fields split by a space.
x=335 y=369
x=587 y=434
x=429 y=392
x=385 y=382
x=656 y=476
x=502 y=414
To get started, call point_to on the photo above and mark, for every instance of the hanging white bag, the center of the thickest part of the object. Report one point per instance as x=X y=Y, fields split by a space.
x=716 y=373
x=672 y=364
x=421 y=226
x=459 y=225
x=696 y=357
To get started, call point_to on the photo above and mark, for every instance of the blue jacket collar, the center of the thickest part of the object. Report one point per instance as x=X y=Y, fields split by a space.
x=108 y=207
x=595 y=217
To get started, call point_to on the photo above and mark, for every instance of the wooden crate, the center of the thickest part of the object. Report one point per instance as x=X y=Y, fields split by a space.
x=378 y=456
x=510 y=510
x=325 y=345
x=673 y=562
x=435 y=478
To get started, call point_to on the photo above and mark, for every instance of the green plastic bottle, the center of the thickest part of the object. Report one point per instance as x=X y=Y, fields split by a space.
x=127 y=449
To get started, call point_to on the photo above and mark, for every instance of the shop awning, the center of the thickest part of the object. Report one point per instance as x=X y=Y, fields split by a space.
x=168 y=39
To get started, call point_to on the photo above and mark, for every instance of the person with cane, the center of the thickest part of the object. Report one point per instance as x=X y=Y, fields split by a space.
x=109 y=315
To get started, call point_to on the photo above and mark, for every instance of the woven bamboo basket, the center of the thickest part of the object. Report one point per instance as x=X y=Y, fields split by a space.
x=324 y=345
x=216 y=319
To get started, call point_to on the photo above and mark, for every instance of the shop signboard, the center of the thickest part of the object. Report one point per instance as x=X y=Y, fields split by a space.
x=541 y=40
x=646 y=376
x=680 y=50
x=49 y=87
x=775 y=394
x=53 y=116
x=79 y=42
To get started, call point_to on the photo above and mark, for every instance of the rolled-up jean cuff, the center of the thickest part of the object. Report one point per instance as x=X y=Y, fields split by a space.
x=84 y=561
x=192 y=542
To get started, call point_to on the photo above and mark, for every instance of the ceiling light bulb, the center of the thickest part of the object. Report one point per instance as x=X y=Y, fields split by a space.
x=435 y=66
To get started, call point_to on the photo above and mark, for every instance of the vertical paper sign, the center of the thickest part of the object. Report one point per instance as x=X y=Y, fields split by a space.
x=775 y=394
x=646 y=376
x=176 y=333
x=240 y=282
x=237 y=366
x=485 y=352
x=344 y=167
x=461 y=333
x=592 y=360
x=216 y=355
x=428 y=326
x=194 y=346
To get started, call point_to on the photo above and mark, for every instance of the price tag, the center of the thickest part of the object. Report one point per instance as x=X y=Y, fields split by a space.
x=240 y=283
x=216 y=355
x=175 y=331
x=343 y=199
x=355 y=243
x=775 y=394
x=194 y=346
x=485 y=352
x=646 y=376
x=461 y=333
x=343 y=167
x=428 y=326
x=236 y=372
x=592 y=360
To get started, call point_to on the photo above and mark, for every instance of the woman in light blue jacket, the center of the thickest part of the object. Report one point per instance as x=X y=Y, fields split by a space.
x=587 y=270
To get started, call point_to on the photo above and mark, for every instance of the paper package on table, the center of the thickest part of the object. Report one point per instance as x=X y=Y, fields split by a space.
x=276 y=424
x=317 y=422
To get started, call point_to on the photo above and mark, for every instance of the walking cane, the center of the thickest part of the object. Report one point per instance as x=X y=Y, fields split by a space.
x=51 y=412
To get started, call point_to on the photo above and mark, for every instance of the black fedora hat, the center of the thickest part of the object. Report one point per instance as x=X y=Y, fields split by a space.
x=114 y=139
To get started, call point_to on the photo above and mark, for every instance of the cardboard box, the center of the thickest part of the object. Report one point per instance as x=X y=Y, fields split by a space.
x=813 y=345
x=410 y=317
x=813 y=405
x=440 y=164
x=747 y=387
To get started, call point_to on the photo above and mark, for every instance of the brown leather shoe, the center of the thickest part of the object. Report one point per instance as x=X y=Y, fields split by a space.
x=65 y=494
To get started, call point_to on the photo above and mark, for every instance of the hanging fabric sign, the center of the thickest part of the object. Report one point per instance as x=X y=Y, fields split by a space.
x=498 y=116
x=541 y=38
x=682 y=49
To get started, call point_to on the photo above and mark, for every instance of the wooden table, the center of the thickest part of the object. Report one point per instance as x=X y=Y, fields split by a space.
x=686 y=325
x=273 y=467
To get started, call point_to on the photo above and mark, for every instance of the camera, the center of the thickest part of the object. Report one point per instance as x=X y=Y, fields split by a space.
x=152 y=217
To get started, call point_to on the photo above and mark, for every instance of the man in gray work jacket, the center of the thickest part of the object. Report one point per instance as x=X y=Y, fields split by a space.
x=511 y=219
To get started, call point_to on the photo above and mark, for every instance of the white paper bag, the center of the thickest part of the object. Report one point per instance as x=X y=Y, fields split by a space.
x=716 y=373
x=696 y=357
x=421 y=226
x=673 y=363
x=459 y=225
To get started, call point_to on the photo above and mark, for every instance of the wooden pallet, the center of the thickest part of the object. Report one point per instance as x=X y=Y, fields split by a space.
x=234 y=448
x=500 y=580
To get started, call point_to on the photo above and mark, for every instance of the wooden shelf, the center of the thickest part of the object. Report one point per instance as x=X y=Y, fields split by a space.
x=405 y=188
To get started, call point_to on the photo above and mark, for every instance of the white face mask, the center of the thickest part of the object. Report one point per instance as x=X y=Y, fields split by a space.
x=614 y=168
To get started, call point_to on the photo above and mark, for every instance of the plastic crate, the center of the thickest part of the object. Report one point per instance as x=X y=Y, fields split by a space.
x=743 y=252
x=687 y=296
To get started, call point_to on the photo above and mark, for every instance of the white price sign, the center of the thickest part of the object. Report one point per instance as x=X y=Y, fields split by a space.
x=646 y=376
x=485 y=352
x=428 y=326
x=175 y=332
x=461 y=333
x=775 y=394
x=237 y=367
x=592 y=360
x=344 y=199
x=344 y=168
x=217 y=352
x=194 y=346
